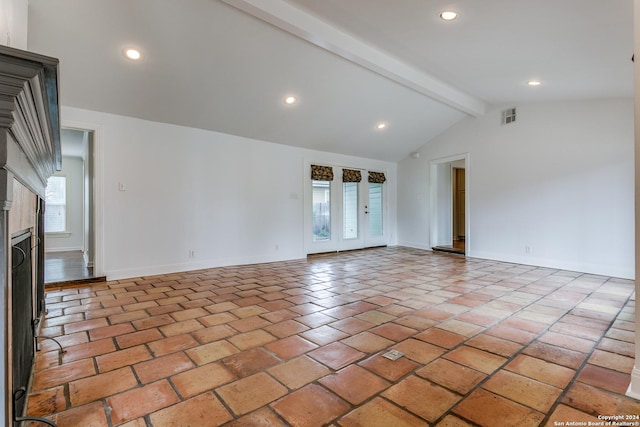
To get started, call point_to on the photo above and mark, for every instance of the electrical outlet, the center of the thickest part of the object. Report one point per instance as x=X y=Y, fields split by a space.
x=192 y=253
x=528 y=249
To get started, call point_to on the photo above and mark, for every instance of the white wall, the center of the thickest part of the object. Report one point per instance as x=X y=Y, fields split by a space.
x=559 y=180
x=72 y=240
x=227 y=198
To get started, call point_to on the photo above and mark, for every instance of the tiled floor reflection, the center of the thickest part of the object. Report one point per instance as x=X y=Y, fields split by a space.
x=299 y=344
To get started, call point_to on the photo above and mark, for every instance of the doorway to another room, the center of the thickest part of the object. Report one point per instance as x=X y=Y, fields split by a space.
x=68 y=218
x=449 y=222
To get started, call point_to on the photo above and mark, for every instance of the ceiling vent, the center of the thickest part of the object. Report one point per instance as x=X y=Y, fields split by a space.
x=509 y=116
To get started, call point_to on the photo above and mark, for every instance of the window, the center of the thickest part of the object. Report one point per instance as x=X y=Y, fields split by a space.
x=321 y=210
x=55 y=217
x=375 y=210
x=350 y=210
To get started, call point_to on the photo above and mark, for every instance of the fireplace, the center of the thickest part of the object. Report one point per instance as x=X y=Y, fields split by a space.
x=29 y=154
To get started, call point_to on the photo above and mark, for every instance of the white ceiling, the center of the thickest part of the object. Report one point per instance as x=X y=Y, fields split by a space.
x=226 y=65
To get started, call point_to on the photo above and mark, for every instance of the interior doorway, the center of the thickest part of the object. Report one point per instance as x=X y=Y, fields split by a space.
x=449 y=205
x=69 y=212
x=458 y=214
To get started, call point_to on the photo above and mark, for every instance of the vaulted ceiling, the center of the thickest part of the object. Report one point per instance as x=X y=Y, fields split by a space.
x=227 y=65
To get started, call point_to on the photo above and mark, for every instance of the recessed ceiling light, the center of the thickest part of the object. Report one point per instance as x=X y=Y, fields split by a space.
x=381 y=126
x=133 y=54
x=290 y=100
x=534 y=83
x=448 y=15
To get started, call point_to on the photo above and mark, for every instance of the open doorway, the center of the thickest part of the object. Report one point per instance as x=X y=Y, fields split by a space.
x=449 y=205
x=68 y=220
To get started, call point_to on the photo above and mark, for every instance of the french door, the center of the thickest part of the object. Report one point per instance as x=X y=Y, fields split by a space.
x=343 y=215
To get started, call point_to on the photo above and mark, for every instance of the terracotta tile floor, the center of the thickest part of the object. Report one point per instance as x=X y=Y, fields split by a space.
x=300 y=344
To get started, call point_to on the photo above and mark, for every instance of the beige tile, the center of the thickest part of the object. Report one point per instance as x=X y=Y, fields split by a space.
x=211 y=352
x=484 y=408
x=162 y=367
x=183 y=327
x=354 y=384
x=368 y=342
x=419 y=351
x=563 y=413
x=57 y=375
x=421 y=397
x=201 y=410
x=96 y=387
x=203 y=378
x=310 y=406
x=546 y=372
x=529 y=392
x=380 y=413
x=476 y=359
x=140 y=401
x=171 y=345
x=126 y=357
x=92 y=414
x=251 y=393
x=453 y=376
x=299 y=372
x=252 y=339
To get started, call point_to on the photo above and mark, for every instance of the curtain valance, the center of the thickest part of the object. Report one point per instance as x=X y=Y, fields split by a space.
x=377 y=177
x=351 y=175
x=321 y=173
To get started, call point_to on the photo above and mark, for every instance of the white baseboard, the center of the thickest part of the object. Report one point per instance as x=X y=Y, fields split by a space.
x=582 y=267
x=415 y=245
x=74 y=249
x=634 y=385
x=156 y=270
x=589 y=268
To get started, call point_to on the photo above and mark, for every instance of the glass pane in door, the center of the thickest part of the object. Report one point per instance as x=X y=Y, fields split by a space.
x=375 y=210
x=350 y=210
x=321 y=210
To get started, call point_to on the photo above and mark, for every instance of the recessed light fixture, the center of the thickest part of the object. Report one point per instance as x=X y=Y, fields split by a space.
x=381 y=126
x=534 y=83
x=448 y=15
x=290 y=100
x=132 y=54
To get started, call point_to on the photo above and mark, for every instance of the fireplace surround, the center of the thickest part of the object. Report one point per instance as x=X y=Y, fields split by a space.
x=29 y=154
